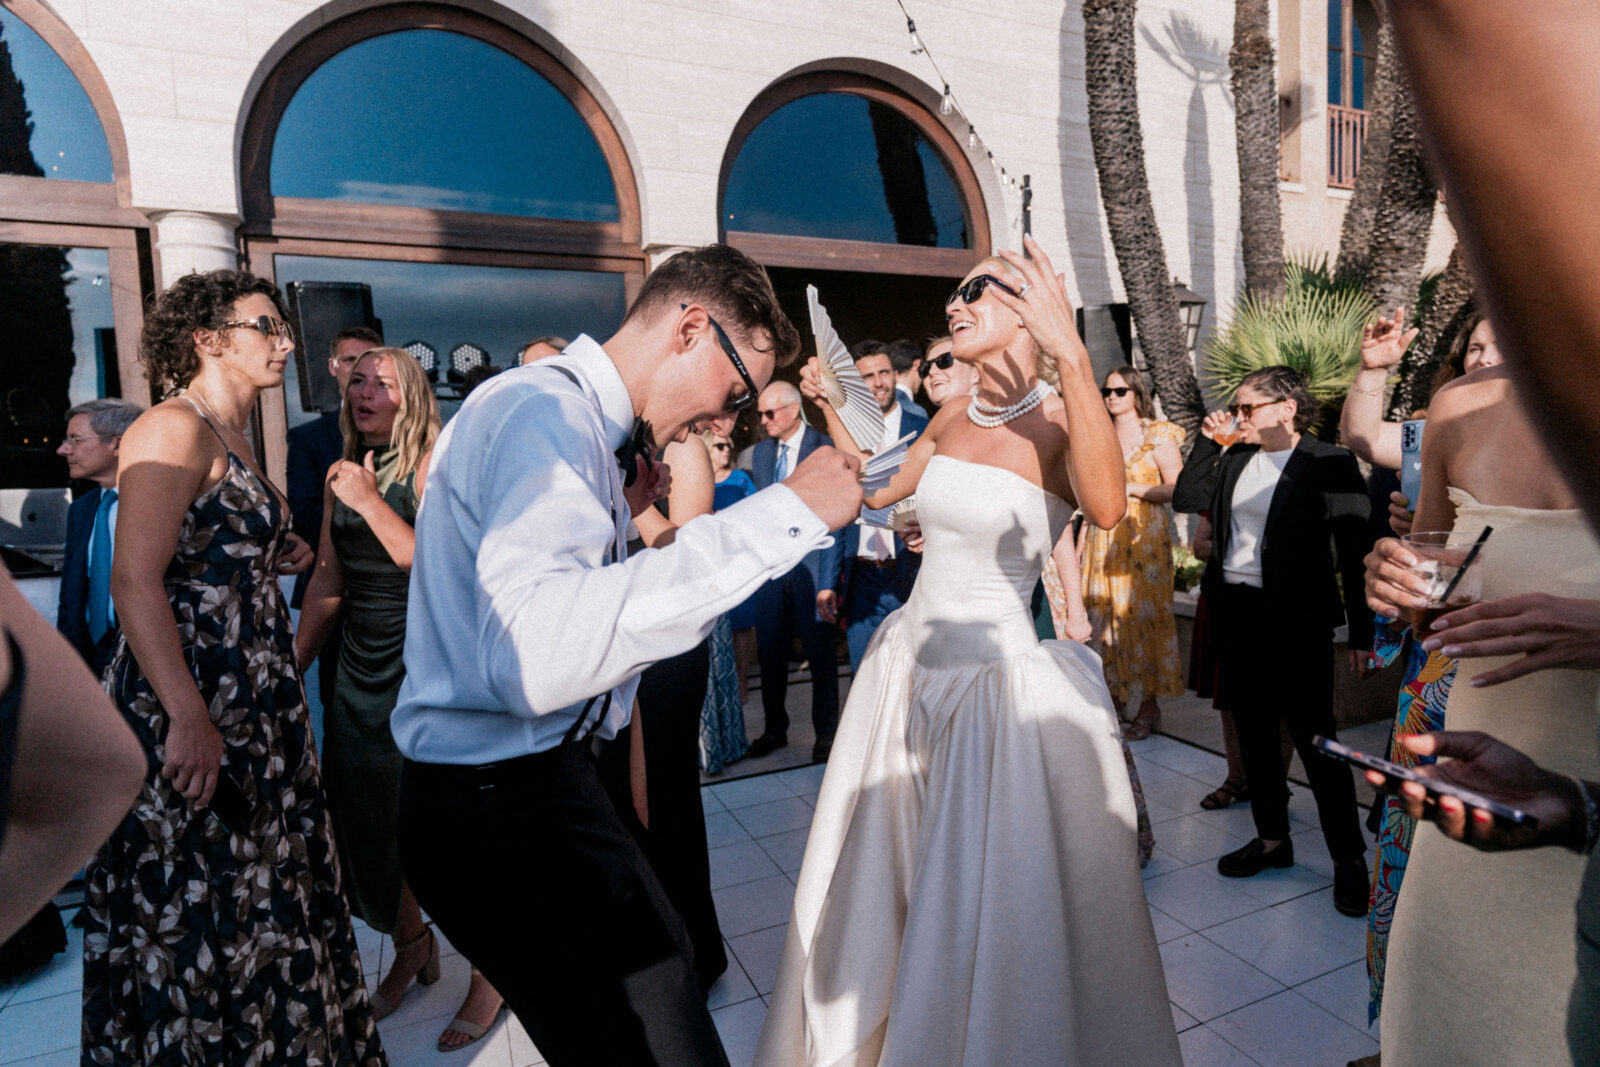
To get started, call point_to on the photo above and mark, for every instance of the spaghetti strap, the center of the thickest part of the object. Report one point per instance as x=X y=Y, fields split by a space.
x=207 y=421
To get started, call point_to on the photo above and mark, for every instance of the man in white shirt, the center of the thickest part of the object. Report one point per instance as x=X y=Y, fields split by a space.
x=528 y=625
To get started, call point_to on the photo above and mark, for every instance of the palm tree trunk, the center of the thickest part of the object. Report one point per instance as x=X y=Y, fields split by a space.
x=1452 y=304
x=1406 y=206
x=1355 y=236
x=1255 y=100
x=1118 y=139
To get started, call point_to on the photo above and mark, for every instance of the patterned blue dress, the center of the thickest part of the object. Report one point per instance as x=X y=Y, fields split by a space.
x=206 y=946
x=722 y=730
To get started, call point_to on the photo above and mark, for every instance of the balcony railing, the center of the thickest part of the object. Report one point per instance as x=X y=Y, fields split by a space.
x=1347 y=132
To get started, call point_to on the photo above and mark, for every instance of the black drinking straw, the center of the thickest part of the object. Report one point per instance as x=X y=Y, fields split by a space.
x=1472 y=554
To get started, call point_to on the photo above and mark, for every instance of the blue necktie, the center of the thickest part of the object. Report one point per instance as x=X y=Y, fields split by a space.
x=781 y=471
x=100 y=569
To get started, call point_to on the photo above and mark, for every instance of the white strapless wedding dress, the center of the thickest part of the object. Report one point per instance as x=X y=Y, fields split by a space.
x=971 y=892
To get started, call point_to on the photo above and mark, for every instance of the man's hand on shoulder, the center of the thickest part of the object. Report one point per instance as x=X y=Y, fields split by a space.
x=828 y=482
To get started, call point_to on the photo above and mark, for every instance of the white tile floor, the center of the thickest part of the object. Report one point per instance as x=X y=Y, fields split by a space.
x=1260 y=971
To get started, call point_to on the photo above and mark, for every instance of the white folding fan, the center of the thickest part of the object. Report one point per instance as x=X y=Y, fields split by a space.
x=880 y=467
x=848 y=392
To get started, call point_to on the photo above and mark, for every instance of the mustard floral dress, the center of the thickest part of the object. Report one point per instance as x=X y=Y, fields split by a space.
x=1127 y=586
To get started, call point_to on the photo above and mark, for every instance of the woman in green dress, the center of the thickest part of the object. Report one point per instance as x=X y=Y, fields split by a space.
x=390 y=421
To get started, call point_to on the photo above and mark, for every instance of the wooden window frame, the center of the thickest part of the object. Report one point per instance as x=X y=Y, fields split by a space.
x=78 y=214
x=266 y=215
x=815 y=253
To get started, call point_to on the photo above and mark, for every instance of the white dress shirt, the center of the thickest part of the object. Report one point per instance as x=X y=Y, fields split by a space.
x=1252 y=501
x=523 y=602
x=875 y=542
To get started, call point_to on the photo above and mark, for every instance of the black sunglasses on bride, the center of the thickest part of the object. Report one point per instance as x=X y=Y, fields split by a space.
x=943 y=362
x=969 y=291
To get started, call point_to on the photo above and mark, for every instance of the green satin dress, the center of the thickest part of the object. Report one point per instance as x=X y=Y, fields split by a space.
x=361 y=766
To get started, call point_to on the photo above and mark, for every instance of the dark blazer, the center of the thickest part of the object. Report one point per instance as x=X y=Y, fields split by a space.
x=840 y=562
x=313 y=448
x=763 y=465
x=1321 y=495
x=74 y=599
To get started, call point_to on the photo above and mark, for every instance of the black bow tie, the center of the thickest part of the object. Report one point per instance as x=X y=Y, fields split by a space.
x=638 y=444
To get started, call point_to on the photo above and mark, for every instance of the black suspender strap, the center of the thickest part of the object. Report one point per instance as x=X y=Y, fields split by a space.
x=611 y=553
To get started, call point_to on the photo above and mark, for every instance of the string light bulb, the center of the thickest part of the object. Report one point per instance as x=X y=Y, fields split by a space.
x=972 y=136
x=947 y=103
x=916 y=42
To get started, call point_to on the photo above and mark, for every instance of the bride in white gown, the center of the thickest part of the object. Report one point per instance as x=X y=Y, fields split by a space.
x=970 y=892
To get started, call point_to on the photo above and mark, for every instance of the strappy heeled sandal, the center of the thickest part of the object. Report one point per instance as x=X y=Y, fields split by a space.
x=427 y=974
x=474 y=1032
x=1225 y=794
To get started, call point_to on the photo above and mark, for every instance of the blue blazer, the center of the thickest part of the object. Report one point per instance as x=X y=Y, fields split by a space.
x=837 y=575
x=74 y=599
x=763 y=465
x=313 y=448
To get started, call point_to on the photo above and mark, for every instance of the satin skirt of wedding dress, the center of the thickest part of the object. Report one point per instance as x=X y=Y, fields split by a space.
x=970 y=892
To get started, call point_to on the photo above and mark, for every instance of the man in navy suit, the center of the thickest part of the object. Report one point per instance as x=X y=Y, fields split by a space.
x=786 y=607
x=313 y=448
x=84 y=614
x=872 y=572
x=906 y=357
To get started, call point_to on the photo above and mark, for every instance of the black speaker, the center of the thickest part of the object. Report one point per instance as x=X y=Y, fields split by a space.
x=317 y=311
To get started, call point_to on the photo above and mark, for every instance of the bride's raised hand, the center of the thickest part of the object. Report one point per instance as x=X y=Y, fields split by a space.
x=811 y=381
x=1041 y=302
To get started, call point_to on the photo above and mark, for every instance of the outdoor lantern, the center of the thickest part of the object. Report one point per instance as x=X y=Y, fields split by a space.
x=1191 y=305
x=464 y=357
x=427 y=356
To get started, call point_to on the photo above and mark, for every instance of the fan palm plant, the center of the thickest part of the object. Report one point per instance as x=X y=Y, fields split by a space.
x=1315 y=328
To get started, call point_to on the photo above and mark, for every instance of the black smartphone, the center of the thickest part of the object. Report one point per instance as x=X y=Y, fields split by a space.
x=1503 y=812
x=229 y=805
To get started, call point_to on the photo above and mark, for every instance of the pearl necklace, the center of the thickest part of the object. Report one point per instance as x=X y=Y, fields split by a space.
x=988 y=416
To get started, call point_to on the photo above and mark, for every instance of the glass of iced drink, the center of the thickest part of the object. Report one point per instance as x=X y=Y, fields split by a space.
x=1440 y=555
x=1229 y=434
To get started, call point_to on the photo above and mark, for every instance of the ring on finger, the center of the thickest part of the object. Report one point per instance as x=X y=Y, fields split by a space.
x=1022 y=290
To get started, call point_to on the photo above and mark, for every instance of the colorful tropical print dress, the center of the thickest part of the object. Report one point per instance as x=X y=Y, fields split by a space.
x=206 y=946
x=1423 y=695
x=1127 y=586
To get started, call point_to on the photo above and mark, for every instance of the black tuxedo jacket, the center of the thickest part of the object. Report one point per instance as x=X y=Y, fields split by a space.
x=1317 y=525
x=313 y=448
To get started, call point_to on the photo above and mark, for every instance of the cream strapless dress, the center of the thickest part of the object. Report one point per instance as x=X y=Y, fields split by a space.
x=1483 y=949
x=970 y=892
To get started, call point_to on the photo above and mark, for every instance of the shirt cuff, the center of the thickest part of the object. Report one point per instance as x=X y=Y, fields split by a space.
x=782 y=529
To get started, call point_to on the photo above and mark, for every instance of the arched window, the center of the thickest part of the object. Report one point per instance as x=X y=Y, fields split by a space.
x=74 y=261
x=453 y=167
x=846 y=181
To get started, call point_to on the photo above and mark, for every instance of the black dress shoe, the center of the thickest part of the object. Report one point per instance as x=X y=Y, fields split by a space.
x=1251 y=860
x=765 y=744
x=820 y=751
x=1351 y=887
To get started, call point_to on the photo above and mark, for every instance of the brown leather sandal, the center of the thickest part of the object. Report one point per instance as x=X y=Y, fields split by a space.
x=1225 y=794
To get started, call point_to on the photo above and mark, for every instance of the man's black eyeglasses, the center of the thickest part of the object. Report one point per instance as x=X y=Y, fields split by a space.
x=943 y=362
x=748 y=397
x=969 y=291
x=1119 y=391
x=265 y=325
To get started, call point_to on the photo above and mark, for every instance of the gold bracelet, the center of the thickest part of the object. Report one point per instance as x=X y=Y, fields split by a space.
x=1368 y=392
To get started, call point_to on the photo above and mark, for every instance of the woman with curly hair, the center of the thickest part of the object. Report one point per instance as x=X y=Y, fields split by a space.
x=218 y=929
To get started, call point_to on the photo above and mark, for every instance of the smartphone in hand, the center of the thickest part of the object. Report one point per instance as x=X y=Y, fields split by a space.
x=1435 y=788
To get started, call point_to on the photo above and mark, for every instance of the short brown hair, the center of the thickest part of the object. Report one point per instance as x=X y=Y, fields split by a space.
x=1286 y=383
x=733 y=286
x=370 y=337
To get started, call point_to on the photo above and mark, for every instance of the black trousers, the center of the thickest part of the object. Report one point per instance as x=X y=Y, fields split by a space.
x=787 y=608
x=1281 y=669
x=526 y=867
x=671 y=693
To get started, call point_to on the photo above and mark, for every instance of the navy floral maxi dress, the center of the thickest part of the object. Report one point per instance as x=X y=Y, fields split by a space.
x=205 y=946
